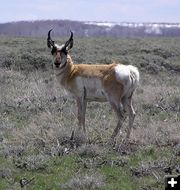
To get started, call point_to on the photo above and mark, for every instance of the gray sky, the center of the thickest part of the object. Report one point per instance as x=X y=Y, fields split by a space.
x=91 y=10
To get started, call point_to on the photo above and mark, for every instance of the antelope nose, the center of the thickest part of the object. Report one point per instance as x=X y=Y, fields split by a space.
x=57 y=61
x=57 y=64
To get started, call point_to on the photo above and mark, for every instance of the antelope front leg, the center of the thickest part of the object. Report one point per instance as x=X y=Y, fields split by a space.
x=81 y=114
x=82 y=103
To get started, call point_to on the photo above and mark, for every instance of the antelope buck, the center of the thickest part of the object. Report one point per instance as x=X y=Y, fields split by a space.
x=114 y=83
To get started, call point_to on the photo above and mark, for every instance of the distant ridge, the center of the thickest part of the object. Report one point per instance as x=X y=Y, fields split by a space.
x=39 y=28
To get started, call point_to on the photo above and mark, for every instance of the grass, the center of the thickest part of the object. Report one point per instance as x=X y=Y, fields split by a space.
x=37 y=118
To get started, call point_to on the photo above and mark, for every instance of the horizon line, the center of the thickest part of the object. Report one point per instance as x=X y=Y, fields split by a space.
x=93 y=21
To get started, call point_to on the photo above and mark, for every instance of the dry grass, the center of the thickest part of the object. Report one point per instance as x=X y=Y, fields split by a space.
x=45 y=116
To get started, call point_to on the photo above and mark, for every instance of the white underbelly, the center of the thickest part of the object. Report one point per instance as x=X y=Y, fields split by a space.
x=92 y=87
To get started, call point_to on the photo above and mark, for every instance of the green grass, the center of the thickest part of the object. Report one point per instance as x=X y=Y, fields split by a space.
x=61 y=169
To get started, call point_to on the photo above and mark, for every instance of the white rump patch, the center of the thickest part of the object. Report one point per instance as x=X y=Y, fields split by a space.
x=122 y=73
x=128 y=75
x=134 y=71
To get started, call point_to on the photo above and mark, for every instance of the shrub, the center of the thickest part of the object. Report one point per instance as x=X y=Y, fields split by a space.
x=82 y=182
x=5 y=173
x=89 y=151
x=33 y=162
x=16 y=150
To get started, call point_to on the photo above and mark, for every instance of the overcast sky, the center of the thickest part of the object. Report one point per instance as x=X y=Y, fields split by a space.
x=91 y=10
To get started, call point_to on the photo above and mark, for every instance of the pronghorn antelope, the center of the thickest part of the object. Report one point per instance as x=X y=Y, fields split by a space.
x=114 y=83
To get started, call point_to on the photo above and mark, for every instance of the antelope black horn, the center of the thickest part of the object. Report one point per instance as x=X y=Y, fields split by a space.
x=70 y=40
x=50 y=42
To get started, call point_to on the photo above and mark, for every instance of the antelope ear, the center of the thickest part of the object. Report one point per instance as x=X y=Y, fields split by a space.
x=53 y=50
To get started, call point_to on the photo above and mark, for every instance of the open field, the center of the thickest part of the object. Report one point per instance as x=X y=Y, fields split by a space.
x=37 y=119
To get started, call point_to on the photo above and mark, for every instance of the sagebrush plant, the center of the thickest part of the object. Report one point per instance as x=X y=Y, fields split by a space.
x=5 y=173
x=86 y=181
x=89 y=150
x=37 y=118
x=32 y=162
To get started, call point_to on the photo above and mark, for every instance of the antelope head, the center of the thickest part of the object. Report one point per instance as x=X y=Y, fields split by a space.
x=60 y=53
